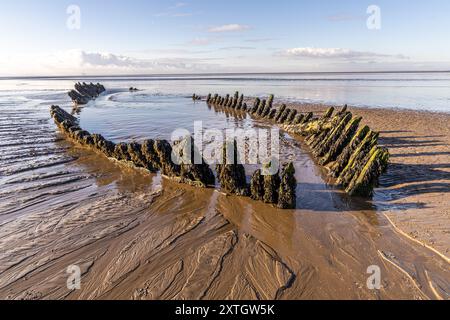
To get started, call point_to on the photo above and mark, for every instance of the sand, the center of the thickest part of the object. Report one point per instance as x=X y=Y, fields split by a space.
x=141 y=236
x=415 y=193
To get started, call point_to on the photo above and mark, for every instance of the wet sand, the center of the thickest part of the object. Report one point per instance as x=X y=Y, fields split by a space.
x=415 y=192
x=140 y=236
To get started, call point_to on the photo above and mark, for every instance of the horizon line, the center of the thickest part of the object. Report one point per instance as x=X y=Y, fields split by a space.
x=215 y=73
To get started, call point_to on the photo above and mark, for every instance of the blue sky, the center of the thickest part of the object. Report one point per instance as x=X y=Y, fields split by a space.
x=132 y=37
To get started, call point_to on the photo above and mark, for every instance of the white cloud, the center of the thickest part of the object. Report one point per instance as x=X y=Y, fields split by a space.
x=199 y=42
x=172 y=11
x=128 y=64
x=74 y=62
x=229 y=28
x=335 y=53
x=170 y=61
x=238 y=48
x=106 y=59
x=185 y=14
x=257 y=40
x=178 y=5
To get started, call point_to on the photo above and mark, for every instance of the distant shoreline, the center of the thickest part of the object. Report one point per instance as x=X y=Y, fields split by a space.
x=216 y=74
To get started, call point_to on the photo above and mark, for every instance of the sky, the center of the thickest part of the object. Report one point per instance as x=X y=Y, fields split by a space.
x=111 y=37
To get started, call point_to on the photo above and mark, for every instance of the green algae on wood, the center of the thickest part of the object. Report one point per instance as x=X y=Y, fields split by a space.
x=284 y=115
x=291 y=117
x=287 y=192
x=230 y=173
x=335 y=133
x=328 y=113
x=342 y=141
x=298 y=119
x=187 y=155
x=356 y=161
x=257 y=186
x=364 y=183
x=271 y=186
x=255 y=106
x=342 y=160
x=280 y=112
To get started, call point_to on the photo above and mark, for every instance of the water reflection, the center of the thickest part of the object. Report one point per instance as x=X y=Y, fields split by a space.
x=314 y=193
x=420 y=91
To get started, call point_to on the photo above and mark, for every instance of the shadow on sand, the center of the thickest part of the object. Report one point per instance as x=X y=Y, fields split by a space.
x=404 y=180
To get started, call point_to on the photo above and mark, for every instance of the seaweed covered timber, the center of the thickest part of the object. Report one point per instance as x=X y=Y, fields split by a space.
x=158 y=155
x=230 y=173
x=349 y=151
x=196 y=97
x=151 y=155
x=83 y=92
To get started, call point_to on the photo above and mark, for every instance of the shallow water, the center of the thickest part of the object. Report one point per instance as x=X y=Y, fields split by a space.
x=419 y=91
x=138 y=236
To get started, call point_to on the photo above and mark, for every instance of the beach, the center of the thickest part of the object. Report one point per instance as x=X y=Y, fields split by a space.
x=137 y=235
x=414 y=193
x=220 y=158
